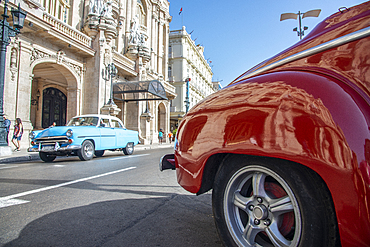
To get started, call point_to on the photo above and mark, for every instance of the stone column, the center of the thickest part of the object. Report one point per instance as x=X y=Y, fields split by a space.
x=73 y=96
x=128 y=14
x=154 y=43
x=165 y=55
x=40 y=87
x=160 y=47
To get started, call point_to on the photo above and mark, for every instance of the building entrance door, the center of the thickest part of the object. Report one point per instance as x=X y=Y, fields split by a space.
x=54 y=107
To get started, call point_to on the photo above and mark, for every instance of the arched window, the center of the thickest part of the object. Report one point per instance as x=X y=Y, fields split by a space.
x=140 y=12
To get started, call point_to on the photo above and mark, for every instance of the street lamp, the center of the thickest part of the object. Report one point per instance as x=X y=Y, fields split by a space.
x=187 y=101
x=6 y=31
x=110 y=72
x=311 y=13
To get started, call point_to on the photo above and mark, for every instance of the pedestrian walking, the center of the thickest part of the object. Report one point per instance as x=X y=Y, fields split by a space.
x=7 y=124
x=160 y=136
x=170 y=137
x=17 y=135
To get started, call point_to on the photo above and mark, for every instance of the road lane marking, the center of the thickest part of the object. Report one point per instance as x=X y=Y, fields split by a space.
x=59 y=165
x=7 y=167
x=4 y=201
x=126 y=157
x=11 y=202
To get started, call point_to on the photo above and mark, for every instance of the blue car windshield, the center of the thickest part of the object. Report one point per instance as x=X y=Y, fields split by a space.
x=83 y=121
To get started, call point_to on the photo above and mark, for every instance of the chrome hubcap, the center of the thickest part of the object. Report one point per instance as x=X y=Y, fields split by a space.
x=88 y=150
x=261 y=209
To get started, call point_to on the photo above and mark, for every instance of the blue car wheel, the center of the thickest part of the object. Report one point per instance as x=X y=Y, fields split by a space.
x=47 y=157
x=87 y=151
x=129 y=149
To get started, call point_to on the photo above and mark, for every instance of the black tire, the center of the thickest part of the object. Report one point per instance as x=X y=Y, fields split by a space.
x=129 y=149
x=269 y=202
x=47 y=157
x=99 y=153
x=87 y=151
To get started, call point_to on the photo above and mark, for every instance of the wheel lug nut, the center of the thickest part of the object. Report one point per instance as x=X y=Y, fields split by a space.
x=267 y=222
x=256 y=222
x=259 y=199
x=251 y=207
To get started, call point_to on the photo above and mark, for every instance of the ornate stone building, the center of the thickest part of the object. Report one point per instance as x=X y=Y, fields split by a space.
x=186 y=60
x=56 y=67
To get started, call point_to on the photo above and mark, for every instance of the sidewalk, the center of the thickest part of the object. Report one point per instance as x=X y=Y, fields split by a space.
x=23 y=155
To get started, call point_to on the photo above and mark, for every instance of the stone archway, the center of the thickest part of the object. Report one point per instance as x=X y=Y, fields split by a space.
x=162 y=121
x=52 y=78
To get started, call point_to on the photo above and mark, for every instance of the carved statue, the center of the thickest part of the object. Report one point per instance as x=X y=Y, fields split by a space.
x=107 y=10
x=134 y=31
x=96 y=6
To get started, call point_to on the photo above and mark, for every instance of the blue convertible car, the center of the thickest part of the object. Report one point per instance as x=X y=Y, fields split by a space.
x=84 y=136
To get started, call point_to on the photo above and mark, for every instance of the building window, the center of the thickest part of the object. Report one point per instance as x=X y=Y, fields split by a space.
x=140 y=12
x=169 y=71
x=60 y=9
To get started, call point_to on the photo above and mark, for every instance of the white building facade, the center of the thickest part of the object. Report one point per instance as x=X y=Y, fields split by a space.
x=55 y=67
x=186 y=61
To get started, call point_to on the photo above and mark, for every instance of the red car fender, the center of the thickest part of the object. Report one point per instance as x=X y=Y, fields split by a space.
x=309 y=118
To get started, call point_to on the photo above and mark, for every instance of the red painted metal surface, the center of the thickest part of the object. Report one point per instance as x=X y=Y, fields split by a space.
x=314 y=110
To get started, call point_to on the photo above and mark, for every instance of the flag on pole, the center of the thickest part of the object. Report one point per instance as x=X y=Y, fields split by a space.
x=180 y=11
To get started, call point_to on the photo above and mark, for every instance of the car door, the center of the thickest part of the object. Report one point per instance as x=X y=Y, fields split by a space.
x=107 y=135
x=120 y=133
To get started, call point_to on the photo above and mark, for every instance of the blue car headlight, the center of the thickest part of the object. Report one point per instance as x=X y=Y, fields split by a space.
x=32 y=135
x=69 y=133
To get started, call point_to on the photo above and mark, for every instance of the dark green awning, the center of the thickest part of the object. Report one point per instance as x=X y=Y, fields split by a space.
x=139 y=91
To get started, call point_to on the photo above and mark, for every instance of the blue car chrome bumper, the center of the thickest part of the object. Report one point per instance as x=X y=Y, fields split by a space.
x=54 y=148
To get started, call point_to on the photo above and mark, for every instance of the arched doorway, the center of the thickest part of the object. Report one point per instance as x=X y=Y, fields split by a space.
x=162 y=123
x=52 y=85
x=54 y=107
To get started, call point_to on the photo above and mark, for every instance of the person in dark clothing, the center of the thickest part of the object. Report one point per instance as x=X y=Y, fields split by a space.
x=7 y=124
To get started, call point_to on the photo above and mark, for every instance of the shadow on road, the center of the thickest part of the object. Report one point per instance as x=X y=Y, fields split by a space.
x=176 y=220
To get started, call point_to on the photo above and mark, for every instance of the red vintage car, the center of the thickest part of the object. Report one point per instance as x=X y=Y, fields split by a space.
x=285 y=147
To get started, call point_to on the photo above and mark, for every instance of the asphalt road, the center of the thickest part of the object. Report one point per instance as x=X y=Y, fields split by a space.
x=110 y=201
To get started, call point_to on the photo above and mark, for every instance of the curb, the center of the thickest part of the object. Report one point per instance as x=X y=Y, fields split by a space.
x=27 y=157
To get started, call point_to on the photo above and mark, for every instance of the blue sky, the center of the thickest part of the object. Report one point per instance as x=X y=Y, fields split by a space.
x=238 y=34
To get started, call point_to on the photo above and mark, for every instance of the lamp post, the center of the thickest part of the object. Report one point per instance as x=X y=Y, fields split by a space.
x=187 y=101
x=110 y=72
x=6 y=31
x=311 y=13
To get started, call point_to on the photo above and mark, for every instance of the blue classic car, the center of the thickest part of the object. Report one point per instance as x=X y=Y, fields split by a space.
x=84 y=136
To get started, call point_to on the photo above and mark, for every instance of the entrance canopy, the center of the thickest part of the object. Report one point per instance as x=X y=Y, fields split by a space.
x=139 y=91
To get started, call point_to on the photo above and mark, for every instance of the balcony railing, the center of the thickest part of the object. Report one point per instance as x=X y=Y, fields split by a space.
x=67 y=30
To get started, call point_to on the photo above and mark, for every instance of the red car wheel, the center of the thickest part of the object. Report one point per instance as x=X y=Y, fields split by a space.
x=272 y=203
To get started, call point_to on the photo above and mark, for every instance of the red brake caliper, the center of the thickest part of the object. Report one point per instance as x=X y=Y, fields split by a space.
x=287 y=221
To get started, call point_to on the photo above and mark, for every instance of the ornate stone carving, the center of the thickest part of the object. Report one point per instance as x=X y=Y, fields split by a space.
x=13 y=62
x=100 y=17
x=37 y=54
x=137 y=42
x=59 y=58
x=107 y=57
x=107 y=11
x=95 y=7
